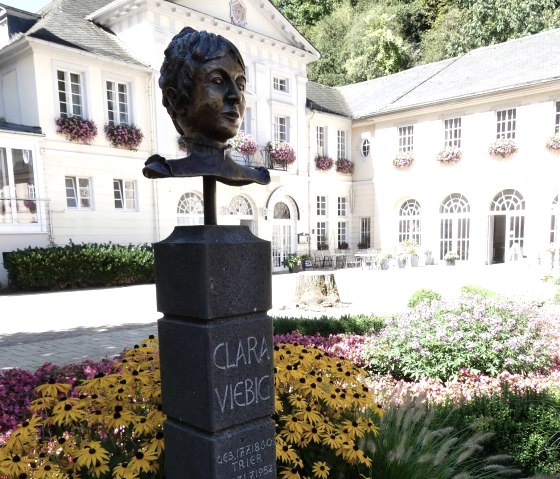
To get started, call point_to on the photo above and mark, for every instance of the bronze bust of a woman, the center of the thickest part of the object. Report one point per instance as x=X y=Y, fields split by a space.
x=203 y=85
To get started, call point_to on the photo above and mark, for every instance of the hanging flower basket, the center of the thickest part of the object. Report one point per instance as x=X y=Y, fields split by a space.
x=244 y=144
x=553 y=143
x=281 y=152
x=76 y=129
x=344 y=166
x=403 y=159
x=124 y=135
x=323 y=162
x=450 y=154
x=503 y=147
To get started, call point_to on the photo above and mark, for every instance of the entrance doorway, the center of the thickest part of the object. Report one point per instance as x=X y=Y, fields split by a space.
x=455 y=226
x=506 y=227
x=283 y=233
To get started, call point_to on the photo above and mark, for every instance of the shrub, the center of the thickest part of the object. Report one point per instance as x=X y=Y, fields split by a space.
x=59 y=267
x=526 y=423
x=477 y=290
x=325 y=326
x=422 y=295
x=410 y=445
x=486 y=335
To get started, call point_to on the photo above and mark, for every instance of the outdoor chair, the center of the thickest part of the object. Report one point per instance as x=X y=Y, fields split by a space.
x=350 y=260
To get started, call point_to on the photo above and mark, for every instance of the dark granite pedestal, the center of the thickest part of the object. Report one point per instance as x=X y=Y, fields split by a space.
x=214 y=287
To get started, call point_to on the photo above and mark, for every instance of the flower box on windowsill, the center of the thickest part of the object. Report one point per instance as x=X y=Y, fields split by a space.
x=553 y=143
x=403 y=159
x=323 y=162
x=281 y=152
x=124 y=135
x=244 y=144
x=76 y=129
x=449 y=155
x=503 y=147
x=344 y=166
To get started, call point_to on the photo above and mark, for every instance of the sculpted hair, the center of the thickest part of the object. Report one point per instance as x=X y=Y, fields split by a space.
x=186 y=51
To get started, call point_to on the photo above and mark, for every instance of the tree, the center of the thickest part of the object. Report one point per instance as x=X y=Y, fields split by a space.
x=305 y=12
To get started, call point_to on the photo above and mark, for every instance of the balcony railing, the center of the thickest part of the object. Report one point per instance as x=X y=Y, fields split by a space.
x=260 y=158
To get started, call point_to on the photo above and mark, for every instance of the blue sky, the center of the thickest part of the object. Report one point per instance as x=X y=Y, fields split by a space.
x=29 y=5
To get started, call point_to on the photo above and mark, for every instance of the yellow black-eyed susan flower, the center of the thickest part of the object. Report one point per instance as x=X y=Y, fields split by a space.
x=321 y=470
x=53 y=389
x=92 y=454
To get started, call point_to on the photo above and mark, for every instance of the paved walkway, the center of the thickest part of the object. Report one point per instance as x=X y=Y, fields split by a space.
x=71 y=326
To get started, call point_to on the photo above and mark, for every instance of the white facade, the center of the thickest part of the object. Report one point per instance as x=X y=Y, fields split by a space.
x=461 y=206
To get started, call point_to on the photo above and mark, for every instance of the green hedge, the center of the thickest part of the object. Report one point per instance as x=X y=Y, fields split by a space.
x=526 y=425
x=79 y=266
x=326 y=325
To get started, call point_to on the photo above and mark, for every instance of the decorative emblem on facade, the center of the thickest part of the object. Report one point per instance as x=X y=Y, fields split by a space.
x=238 y=12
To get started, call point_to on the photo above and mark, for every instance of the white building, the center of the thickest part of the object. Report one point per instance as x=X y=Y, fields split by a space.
x=100 y=59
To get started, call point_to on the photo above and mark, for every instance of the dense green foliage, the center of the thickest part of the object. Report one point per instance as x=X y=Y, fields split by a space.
x=365 y=39
x=421 y=295
x=526 y=425
x=479 y=290
x=486 y=335
x=84 y=265
x=325 y=325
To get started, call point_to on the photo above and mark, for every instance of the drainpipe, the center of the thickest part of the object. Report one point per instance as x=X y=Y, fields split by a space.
x=153 y=150
x=309 y=208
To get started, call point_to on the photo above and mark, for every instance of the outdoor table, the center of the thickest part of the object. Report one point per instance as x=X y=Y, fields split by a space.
x=366 y=258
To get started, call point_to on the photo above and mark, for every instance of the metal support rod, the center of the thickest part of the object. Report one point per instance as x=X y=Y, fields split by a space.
x=209 y=196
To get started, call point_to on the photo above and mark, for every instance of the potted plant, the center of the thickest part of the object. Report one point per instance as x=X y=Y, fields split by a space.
x=343 y=245
x=553 y=143
x=503 y=147
x=124 y=135
x=450 y=258
x=428 y=258
x=450 y=154
x=76 y=129
x=323 y=162
x=403 y=159
x=382 y=260
x=344 y=166
x=306 y=261
x=364 y=242
x=281 y=152
x=291 y=261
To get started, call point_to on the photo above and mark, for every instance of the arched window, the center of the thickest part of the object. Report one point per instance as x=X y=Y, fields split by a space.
x=190 y=210
x=410 y=222
x=508 y=200
x=454 y=226
x=240 y=206
x=281 y=211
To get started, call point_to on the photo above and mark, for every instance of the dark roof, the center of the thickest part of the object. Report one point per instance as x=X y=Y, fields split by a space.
x=4 y=125
x=64 y=23
x=529 y=60
x=326 y=99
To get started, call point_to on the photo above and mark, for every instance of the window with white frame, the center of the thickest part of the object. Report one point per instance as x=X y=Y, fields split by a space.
x=190 y=209
x=18 y=201
x=557 y=118
x=365 y=232
x=70 y=94
x=452 y=129
x=342 y=205
x=280 y=128
x=341 y=144
x=321 y=205
x=280 y=84
x=124 y=192
x=341 y=235
x=406 y=138
x=117 y=96
x=410 y=222
x=321 y=140
x=505 y=123
x=246 y=122
x=78 y=192
x=322 y=235
x=365 y=147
